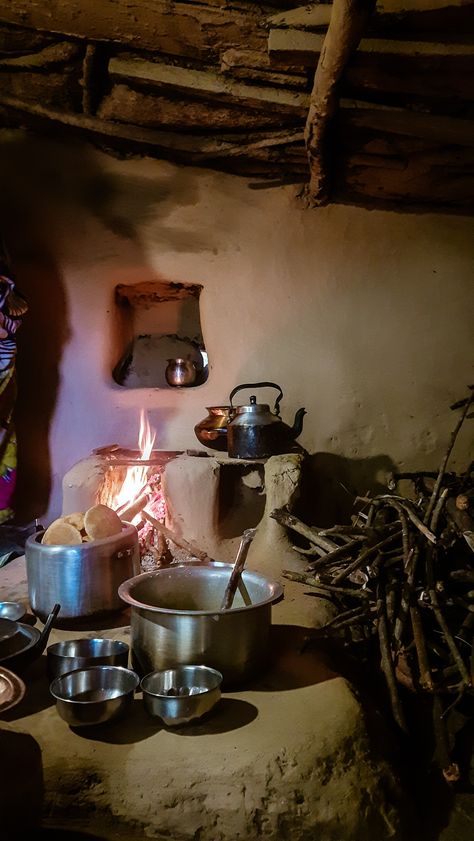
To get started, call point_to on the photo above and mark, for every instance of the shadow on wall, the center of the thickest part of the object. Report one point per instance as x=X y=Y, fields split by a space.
x=53 y=176
x=331 y=483
x=40 y=344
x=48 y=189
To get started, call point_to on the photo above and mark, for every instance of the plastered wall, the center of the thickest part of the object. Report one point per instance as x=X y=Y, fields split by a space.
x=363 y=317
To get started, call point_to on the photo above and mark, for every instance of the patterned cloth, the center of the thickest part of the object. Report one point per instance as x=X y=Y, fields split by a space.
x=12 y=309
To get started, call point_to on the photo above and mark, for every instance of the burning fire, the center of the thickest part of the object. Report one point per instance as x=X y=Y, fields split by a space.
x=136 y=490
x=136 y=478
x=140 y=489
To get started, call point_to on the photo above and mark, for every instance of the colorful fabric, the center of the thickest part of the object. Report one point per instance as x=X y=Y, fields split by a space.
x=12 y=309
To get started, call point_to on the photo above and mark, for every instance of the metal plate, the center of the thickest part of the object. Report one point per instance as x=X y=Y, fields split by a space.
x=26 y=637
x=12 y=689
x=8 y=629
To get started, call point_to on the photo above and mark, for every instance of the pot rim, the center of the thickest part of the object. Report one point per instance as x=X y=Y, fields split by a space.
x=124 y=591
x=128 y=531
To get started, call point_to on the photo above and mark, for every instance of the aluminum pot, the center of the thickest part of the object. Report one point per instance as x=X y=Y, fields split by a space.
x=83 y=578
x=176 y=620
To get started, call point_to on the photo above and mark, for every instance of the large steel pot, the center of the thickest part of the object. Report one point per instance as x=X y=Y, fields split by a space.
x=176 y=620
x=82 y=578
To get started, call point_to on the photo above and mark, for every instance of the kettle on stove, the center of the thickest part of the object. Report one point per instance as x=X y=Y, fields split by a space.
x=255 y=431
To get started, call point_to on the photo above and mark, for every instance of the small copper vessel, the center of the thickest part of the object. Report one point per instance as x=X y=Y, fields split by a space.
x=212 y=431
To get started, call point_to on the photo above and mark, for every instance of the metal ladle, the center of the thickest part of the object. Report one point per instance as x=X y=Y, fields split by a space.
x=236 y=573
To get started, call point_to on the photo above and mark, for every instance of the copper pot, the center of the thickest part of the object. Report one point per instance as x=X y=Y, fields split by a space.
x=212 y=430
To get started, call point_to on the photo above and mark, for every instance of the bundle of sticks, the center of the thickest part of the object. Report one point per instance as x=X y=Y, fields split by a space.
x=403 y=571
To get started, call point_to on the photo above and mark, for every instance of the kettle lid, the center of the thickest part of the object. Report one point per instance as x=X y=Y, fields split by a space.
x=254 y=415
x=252 y=407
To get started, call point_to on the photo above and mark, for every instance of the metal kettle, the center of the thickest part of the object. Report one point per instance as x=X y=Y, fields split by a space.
x=255 y=431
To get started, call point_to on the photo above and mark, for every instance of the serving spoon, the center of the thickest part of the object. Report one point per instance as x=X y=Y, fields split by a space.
x=239 y=564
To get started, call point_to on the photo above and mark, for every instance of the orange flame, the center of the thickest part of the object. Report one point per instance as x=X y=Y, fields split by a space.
x=136 y=477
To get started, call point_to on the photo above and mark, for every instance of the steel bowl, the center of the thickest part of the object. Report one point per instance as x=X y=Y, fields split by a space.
x=12 y=610
x=70 y=655
x=94 y=695
x=179 y=696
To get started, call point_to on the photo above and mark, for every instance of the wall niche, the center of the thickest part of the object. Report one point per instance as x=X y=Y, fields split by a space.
x=159 y=321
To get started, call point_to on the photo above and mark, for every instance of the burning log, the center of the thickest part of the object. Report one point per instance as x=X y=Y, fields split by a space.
x=399 y=570
x=179 y=541
x=129 y=511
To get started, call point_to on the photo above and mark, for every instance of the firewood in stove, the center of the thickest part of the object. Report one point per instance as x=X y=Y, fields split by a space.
x=129 y=511
x=179 y=541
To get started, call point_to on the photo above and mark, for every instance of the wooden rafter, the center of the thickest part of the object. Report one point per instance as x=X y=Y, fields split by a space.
x=346 y=26
x=226 y=85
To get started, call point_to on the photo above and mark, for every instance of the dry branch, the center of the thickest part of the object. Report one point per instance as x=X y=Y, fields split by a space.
x=411 y=559
x=387 y=665
x=452 y=441
x=282 y=516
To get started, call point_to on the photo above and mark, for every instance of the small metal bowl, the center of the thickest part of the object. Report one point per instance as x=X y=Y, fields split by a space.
x=94 y=695
x=70 y=655
x=181 y=695
x=12 y=610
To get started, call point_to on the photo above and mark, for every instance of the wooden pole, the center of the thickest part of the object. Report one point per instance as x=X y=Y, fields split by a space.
x=346 y=26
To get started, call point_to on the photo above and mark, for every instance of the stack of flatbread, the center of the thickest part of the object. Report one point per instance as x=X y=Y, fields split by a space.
x=98 y=522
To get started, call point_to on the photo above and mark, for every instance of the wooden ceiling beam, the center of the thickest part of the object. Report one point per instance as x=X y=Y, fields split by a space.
x=450 y=20
x=196 y=30
x=348 y=21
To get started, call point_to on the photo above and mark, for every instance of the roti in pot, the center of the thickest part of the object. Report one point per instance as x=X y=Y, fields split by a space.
x=60 y=533
x=100 y=521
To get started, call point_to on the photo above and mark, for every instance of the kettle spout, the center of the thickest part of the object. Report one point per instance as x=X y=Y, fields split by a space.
x=297 y=427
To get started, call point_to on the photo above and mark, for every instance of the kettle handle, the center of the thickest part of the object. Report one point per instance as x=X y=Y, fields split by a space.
x=258 y=385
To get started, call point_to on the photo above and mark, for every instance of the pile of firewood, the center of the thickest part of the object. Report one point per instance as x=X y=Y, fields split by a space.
x=403 y=571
